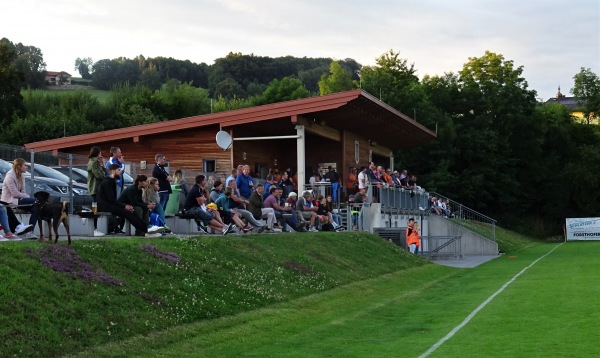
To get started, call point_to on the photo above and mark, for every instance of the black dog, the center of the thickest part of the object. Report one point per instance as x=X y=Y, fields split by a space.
x=53 y=214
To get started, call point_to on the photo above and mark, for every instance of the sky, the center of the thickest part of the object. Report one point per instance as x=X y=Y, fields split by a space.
x=552 y=40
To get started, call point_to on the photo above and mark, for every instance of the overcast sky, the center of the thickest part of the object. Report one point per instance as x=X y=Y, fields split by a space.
x=551 y=39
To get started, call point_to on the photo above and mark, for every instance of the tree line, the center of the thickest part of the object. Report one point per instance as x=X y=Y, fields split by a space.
x=498 y=149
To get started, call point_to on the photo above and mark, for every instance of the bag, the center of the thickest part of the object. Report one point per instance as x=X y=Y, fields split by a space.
x=156 y=220
x=327 y=227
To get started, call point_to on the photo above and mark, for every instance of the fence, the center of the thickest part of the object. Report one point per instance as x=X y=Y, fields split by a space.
x=471 y=219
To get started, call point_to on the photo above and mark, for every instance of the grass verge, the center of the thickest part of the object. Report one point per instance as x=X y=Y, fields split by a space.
x=58 y=301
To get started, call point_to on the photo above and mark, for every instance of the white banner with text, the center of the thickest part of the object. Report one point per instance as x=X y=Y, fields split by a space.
x=583 y=229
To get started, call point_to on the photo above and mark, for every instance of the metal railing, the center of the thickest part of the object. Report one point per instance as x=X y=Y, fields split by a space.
x=470 y=219
x=441 y=246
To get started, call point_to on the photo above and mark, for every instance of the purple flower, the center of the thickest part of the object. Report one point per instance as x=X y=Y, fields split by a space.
x=65 y=259
x=169 y=256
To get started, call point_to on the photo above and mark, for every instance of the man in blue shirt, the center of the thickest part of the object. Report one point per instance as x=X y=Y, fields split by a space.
x=116 y=157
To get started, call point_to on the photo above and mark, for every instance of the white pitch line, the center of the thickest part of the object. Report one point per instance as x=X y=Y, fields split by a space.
x=481 y=306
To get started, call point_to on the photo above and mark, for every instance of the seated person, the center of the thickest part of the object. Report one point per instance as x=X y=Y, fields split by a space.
x=322 y=213
x=216 y=191
x=149 y=196
x=227 y=214
x=257 y=208
x=107 y=201
x=309 y=212
x=336 y=218
x=14 y=193
x=8 y=235
x=273 y=201
x=291 y=202
x=195 y=204
x=238 y=204
x=132 y=195
x=433 y=206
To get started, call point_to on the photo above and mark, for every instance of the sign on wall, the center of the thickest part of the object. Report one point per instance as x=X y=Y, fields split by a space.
x=583 y=229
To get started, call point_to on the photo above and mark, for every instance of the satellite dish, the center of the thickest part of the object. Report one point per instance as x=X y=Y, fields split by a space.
x=224 y=140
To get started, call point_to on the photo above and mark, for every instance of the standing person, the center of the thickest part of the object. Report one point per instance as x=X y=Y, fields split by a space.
x=413 y=241
x=363 y=178
x=244 y=183
x=96 y=173
x=164 y=179
x=107 y=201
x=352 y=183
x=13 y=192
x=116 y=157
x=333 y=177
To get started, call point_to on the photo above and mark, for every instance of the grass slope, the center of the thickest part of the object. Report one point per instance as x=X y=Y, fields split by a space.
x=548 y=311
x=56 y=300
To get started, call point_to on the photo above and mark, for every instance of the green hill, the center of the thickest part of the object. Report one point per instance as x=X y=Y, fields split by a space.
x=57 y=299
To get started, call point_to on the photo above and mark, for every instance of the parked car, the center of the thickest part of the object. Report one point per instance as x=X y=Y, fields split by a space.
x=81 y=198
x=80 y=174
x=45 y=171
x=59 y=191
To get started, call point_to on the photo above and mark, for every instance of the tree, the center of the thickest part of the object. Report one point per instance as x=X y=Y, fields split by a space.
x=286 y=89
x=30 y=61
x=11 y=101
x=587 y=91
x=337 y=80
x=84 y=66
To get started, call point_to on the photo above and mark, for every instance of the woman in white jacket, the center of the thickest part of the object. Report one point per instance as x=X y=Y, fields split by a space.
x=13 y=190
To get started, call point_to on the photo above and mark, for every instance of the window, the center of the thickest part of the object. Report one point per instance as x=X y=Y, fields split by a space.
x=209 y=165
x=356 y=151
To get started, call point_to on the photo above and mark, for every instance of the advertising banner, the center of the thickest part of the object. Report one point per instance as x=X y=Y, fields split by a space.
x=583 y=229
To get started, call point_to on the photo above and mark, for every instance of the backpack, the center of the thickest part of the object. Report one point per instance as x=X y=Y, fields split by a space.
x=327 y=227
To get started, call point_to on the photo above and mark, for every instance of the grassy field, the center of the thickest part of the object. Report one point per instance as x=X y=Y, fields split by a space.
x=100 y=94
x=311 y=295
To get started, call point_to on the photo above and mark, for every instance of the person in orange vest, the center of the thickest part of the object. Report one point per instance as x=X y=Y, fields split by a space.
x=413 y=241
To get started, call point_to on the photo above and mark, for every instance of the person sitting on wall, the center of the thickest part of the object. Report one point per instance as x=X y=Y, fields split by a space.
x=239 y=205
x=291 y=201
x=107 y=201
x=308 y=210
x=273 y=201
x=195 y=204
x=227 y=214
x=132 y=196
x=257 y=208
x=216 y=191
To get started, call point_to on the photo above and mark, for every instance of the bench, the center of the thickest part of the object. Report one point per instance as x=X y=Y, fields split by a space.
x=102 y=222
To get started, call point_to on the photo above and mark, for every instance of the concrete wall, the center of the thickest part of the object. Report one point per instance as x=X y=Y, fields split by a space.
x=472 y=243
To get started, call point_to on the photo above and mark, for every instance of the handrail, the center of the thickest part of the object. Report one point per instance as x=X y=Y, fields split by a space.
x=470 y=219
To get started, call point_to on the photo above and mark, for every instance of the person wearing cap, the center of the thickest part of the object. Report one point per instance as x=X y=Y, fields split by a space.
x=291 y=201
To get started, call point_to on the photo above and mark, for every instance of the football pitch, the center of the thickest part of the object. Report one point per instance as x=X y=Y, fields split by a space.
x=539 y=302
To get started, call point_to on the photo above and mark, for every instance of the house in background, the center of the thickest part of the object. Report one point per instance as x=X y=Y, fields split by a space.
x=570 y=103
x=58 y=78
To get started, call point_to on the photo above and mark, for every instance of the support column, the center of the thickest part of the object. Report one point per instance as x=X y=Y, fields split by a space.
x=392 y=162
x=301 y=164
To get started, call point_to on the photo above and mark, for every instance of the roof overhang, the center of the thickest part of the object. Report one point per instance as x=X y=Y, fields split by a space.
x=355 y=111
